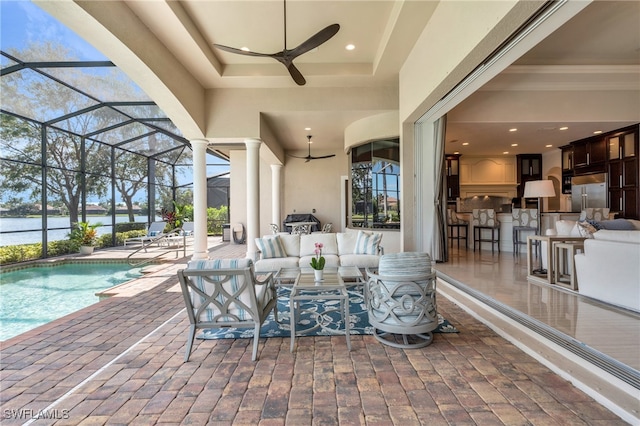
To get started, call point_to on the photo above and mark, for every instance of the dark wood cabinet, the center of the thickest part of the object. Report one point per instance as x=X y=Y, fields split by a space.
x=622 y=170
x=567 y=168
x=528 y=167
x=452 y=168
x=589 y=155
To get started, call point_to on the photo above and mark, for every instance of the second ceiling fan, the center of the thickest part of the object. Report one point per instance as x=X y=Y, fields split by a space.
x=311 y=157
x=286 y=56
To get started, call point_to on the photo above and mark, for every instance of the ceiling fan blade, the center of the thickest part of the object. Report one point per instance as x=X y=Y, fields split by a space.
x=296 y=75
x=315 y=40
x=244 y=52
x=321 y=157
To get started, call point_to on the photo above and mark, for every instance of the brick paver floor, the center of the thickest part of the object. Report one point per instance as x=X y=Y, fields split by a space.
x=121 y=362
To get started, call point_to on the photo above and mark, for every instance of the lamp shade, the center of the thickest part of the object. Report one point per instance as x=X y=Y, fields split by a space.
x=539 y=189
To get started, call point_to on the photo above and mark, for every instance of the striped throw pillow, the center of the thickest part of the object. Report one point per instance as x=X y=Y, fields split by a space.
x=367 y=243
x=271 y=247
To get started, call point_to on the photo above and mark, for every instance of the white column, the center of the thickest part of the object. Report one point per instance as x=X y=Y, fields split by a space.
x=253 y=195
x=200 y=198
x=276 y=194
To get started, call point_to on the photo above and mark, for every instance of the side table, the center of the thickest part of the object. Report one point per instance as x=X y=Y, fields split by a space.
x=546 y=277
x=330 y=288
x=564 y=268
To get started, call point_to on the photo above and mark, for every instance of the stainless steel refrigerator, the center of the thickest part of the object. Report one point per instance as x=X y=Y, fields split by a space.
x=588 y=191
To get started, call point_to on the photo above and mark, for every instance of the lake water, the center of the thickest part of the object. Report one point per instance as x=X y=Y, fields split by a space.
x=10 y=224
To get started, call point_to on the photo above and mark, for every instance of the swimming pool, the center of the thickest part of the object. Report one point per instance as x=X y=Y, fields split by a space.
x=37 y=295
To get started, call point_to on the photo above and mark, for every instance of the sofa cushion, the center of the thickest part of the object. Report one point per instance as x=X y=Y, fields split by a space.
x=623 y=237
x=346 y=242
x=271 y=246
x=594 y=213
x=308 y=244
x=617 y=225
x=275 y=263
x=367 y=242
x=567 y=227
x=331 y=261
x=291 y=244
x=361 y=261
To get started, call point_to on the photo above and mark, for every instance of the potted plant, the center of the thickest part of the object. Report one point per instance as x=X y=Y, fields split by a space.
x=84 y=234
x=317 y=262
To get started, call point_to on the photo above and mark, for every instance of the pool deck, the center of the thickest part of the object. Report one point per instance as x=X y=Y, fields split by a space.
x=120 y=361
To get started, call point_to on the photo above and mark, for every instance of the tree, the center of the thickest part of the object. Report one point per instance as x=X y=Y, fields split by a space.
x=67 y=175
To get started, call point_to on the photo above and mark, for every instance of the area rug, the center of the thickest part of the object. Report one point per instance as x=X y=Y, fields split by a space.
x=317 y=318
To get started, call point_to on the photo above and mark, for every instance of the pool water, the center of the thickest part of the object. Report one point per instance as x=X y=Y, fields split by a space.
x=35 y=296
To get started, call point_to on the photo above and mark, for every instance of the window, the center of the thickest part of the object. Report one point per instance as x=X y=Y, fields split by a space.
x=375 y=185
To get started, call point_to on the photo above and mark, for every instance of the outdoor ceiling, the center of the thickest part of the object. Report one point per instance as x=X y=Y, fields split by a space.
x=604 y=34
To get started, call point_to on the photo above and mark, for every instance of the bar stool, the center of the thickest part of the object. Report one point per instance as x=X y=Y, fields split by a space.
x=485 y=219
x=524 y=220
x=454 y=222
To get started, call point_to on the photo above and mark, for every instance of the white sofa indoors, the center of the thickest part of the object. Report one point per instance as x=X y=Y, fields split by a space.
x=361 y=249
x=609 y=268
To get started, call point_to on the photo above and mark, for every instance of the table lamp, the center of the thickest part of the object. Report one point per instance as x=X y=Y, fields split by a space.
x=539 y=189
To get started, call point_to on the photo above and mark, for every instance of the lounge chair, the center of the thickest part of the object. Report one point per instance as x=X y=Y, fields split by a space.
x=155 y=230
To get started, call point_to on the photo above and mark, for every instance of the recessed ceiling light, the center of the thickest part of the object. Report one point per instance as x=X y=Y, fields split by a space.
x=465 y=143
x=514 y=144
x=548 y=146
x=564 y=128
x=245 y=48
x=597 y=132
x=307 y=128
x=513 y=130
x=350 y=47
x=505 y=152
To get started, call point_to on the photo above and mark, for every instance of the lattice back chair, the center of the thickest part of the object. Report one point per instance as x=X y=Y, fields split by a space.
x=223 y=293
x=485 y=219
x=594 y=213
x=401 y=300
x=300 y=229
x=524 y=220
x=454 y=222
x=274 y=228
x=326 y=228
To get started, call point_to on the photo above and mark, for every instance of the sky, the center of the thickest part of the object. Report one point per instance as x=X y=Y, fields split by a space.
x=22 y=22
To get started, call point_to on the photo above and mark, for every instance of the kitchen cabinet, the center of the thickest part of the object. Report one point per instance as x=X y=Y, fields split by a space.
x=589 y=155
x=622 y=168
x=452 y=168
x=528 y=168
x=567 y=168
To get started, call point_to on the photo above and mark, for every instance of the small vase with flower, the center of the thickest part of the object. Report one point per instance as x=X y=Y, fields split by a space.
x=317 y=262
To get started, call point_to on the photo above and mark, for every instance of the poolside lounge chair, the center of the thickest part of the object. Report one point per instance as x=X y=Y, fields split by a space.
x=223 y=293
x=155 y=230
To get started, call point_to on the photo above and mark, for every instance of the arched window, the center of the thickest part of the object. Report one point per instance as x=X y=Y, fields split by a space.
x=375 y=185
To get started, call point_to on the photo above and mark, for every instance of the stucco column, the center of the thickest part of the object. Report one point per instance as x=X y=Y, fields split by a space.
x=253 y=195
x=276 y=194
x=200 y=198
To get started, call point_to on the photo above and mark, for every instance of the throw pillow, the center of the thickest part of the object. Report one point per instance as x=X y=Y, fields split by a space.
x=367 y=242
x=271 y=247
x=617 y=225
x=586 y=229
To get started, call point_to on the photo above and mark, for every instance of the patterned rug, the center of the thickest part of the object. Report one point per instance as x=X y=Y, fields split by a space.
x=317 y=318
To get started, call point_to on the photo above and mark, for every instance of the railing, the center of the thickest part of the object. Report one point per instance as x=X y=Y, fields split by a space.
x=169 y=237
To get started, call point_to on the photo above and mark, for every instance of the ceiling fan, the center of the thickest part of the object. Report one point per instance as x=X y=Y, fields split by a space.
x=287 y=56
x=311 y=157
